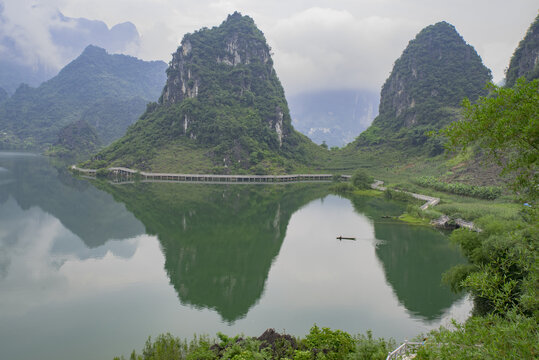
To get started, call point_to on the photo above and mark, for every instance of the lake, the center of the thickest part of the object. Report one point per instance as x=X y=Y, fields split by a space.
x=89 y=270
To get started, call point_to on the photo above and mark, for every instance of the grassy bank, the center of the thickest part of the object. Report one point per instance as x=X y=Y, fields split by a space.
x=320 y=343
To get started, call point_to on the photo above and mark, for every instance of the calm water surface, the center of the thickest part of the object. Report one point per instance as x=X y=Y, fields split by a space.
x=88 y=271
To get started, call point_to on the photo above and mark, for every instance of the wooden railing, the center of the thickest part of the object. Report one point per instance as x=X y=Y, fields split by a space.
x=127 y=173
x=406 y=348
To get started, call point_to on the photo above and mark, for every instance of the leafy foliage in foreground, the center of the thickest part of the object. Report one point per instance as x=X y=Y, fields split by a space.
x=482 y=192
x=503 y=271
x=507 y=125
x=320 y=343
x=490 y=337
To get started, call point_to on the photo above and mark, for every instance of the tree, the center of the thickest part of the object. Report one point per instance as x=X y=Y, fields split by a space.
x=506 y=124
x=361 y=180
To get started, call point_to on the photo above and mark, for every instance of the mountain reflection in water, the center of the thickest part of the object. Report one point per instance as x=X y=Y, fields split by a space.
x=219 y=241
x=93 y=262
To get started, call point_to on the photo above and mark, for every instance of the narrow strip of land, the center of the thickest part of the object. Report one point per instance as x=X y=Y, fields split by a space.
x=430 y=201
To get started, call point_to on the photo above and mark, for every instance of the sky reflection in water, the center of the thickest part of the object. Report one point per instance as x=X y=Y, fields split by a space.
x=64 y=297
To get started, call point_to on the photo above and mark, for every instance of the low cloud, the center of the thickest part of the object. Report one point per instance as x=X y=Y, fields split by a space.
x=24 y=33
x=39 y=36
x=317 y=44
x=338 y=50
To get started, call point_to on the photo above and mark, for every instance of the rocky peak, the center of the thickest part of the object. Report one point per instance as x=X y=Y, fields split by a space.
x=435 y=72
x=231 y=60
x=222 y=96
x=525 y=60
x=436 y=68
x=237 y=41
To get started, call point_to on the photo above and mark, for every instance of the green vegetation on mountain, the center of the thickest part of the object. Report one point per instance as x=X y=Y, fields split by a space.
x=107 y=91
x=76 y=138
x=506 y=124
x=434 y=73
x=503 y=271
x=525 y=59
x=223 y=101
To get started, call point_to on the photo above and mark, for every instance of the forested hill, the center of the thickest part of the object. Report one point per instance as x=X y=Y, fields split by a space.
x=223 y=110
x=525 y=60
x=426 y=86
x=109 y=92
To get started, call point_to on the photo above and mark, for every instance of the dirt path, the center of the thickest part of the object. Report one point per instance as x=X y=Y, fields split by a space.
x=443 y=221
x=430 y=201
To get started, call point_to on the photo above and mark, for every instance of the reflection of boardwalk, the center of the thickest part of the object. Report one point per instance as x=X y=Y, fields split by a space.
x=128 y=175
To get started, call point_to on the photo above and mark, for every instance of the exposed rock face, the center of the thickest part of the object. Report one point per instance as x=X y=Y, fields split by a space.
x=436 y=67
x=233 y=48
x=223 y=101
x=525 y=60
x=434 y=73
x=233 y=58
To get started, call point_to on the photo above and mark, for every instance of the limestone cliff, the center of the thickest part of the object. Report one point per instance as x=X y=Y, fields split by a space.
x=233 y=58
x=222 y=96
x=429 y=80
x=525 y=60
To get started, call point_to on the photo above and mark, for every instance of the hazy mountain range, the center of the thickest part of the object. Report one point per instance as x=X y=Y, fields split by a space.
x=68 y=36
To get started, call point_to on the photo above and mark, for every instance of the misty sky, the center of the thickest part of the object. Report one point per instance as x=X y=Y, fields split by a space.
x=317 y=44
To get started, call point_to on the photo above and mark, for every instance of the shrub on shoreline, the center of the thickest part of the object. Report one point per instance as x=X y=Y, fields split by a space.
x=482 y=192
x=320 y=343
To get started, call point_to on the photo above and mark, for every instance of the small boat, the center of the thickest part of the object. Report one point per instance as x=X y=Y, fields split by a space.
x=345 y=238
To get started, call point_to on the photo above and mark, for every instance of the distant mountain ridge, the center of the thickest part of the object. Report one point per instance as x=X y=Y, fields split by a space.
x=525 y=59
x=426 y=86
x=222 y=104
x=335 y=117
x=20 y=63
x=107 y=91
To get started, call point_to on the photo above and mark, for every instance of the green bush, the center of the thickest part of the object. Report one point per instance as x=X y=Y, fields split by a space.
x=361 y=180
x=400 y=196
x=320 y=343
x=342 y=188
x=482 y=192
x=490 y=337
x=334 y=344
